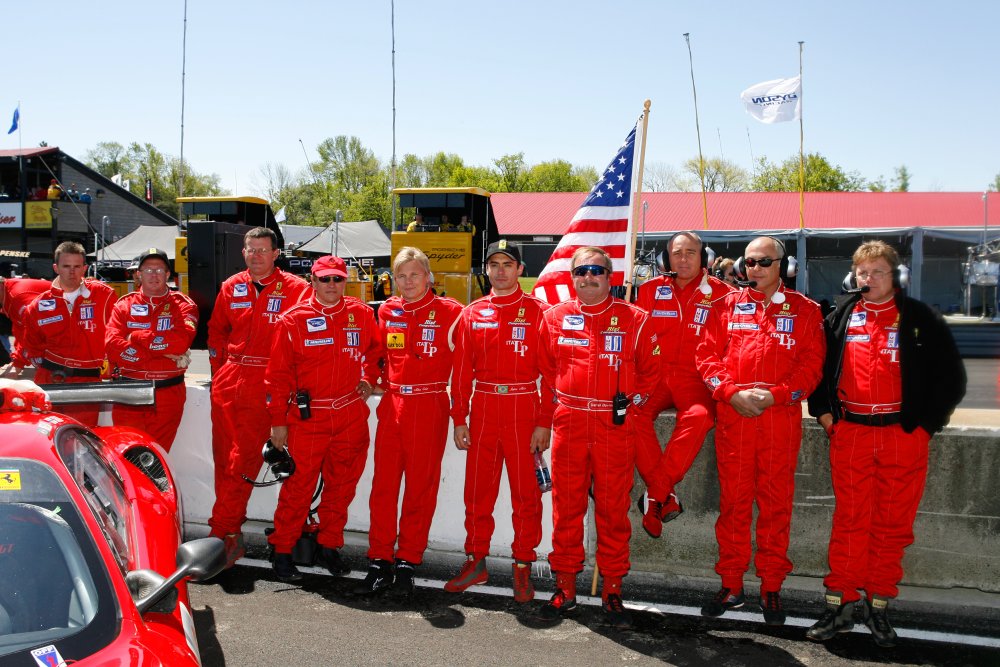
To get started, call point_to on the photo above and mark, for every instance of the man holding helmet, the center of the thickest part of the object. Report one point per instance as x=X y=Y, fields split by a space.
x=149 y=338
x=324 y=363
x=678 y=304
x=892 y=378
x=761 y=355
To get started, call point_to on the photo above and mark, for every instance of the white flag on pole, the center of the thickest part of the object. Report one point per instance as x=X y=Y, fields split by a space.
x=774 y=101
x=117 y=179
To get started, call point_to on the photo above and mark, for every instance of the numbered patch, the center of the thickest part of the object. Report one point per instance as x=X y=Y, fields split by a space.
x=353 y=338
x=613 y=342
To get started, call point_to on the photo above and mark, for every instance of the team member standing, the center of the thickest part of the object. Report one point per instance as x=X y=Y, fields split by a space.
x=148 y=338
x=761 y=355
x=496 y=344
x=600 y=356
x=64 y=327
x=678 y=306
x=325 y=354
x=412 y=422
x=240 y=333
x=16 y=294
x=892 y=378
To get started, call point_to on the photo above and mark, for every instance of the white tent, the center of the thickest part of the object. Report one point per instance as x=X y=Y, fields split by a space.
x=354 y=240
x=123 y=251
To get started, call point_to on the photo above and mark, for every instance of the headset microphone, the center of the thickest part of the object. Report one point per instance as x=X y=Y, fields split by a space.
x=859 y=290
x=746 y=283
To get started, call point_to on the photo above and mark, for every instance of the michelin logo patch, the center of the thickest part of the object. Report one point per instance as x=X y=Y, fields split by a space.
x=737 y=326
x=664 y=313
x=577 y=342
x=857 y=338
x=314 y=324
x=313 y=342
x=573 y=323
x=50 y=320
x=241 y=289
x=485 y=325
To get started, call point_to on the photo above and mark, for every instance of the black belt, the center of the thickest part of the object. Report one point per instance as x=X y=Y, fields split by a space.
x=880 y=419
x=66 y=372
x=159 y=384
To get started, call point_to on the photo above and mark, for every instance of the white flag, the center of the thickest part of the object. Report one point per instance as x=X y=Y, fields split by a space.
x=774 y=101
x=117 y=179
x=126 y=183
x=280 y=215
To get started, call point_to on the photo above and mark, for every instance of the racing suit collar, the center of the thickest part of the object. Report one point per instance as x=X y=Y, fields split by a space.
x=507 y=299
x=410 y=306
x=58 y=291
x=597 y=308
x=155 y=300
x=327 y=310
x=759 y=296
x=270 y=278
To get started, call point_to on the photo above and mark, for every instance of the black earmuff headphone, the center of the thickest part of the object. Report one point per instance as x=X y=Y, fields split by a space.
x=900 y=279
x=663 y=257
x=788 y=268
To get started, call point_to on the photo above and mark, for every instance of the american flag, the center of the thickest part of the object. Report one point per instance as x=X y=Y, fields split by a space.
x=602 y=220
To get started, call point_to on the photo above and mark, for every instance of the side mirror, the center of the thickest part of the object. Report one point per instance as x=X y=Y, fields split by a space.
x=197 y=560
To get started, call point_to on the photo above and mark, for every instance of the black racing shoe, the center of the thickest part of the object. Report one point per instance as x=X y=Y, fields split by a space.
x=333 y=561
x=774 y=611
x=557 y=606
x=836 y=618
x=878 y=622
x=403 y=586
x=723 y=601
x=284 y=568
x=378 y=579
x=615 y=613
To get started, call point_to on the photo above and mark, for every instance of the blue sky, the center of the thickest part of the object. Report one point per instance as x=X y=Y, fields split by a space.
x=885 y=83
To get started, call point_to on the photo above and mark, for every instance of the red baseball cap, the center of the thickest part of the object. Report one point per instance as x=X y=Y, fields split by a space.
x=328 y=265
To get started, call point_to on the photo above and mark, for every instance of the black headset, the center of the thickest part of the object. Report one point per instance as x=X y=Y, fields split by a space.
x=663 y=257
x=788 y=268
x=900 y=279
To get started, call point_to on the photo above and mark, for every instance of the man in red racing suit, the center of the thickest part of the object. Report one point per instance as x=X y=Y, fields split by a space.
x=496 y=344
x=678 y=306
x=761 y=355
x=593 y=348
x=240 y=333
x=326 y=351
x=15 y=296
x=412 y=423
x=148 y=338
x=65 y=326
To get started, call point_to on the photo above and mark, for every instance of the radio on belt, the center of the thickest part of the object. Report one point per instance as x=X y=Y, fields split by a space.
x=619 y=406
x=302 y=402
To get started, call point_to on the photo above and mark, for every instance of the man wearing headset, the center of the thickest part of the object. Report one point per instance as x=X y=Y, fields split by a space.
x=892 y=378
x=761 y=355
x=324 y=363
x=678 y=304
x=601 y=358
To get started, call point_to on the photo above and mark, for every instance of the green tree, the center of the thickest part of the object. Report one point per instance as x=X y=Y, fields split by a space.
x=558 y=176
x=901 y=183
x=345 y=162
x=820 y=176
x=510 y=172
x=720 y=175
x=995 y=185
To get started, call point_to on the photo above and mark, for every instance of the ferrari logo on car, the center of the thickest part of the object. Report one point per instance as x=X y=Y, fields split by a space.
x=10 y=480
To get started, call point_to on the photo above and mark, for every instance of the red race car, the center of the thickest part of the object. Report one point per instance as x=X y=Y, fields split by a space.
x=92 y=568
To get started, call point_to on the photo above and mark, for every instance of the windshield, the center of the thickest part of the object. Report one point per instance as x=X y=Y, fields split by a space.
x=54 y=585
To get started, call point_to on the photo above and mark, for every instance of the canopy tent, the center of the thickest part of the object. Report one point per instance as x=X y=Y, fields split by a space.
x=122 y=252
x=354 y=240
x=298 y=235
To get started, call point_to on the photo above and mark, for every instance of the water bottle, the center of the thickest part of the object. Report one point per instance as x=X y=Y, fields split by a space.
x=542 y=473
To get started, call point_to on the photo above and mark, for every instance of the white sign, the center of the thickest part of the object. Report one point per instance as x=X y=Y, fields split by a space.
x=10 y=216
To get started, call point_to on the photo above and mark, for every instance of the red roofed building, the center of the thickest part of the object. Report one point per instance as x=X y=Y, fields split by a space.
x=932 y=230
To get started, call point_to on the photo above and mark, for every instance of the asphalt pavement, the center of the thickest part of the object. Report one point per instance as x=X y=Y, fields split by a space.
x=248 y=618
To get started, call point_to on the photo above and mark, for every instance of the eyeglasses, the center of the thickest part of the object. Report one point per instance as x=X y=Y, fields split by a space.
x=592 y=269
x=763 y=261
x=153 y=272
x=326 y=279
x=257 y=251
x=877 y=273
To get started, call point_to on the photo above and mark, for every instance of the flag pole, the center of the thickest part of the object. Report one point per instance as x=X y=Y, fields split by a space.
x=697 y=127
x=634 y=210
x=802 y=159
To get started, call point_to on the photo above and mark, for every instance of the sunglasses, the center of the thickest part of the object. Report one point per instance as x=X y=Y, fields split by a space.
x=326 y=279
x=592 y=269
x=763 y=261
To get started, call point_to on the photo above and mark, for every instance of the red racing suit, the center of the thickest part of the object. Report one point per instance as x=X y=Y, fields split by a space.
x=588 y=353
x=325 y=351
x=68 y=345
x=678 y=316
x=496 y=344
x=780 y=346
x=18 y=293
x=412 y=423
x=240 y=333
x=143 y=330
x=878 y=471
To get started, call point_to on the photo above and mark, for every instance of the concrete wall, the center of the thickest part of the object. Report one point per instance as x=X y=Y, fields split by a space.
x=957 y=528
